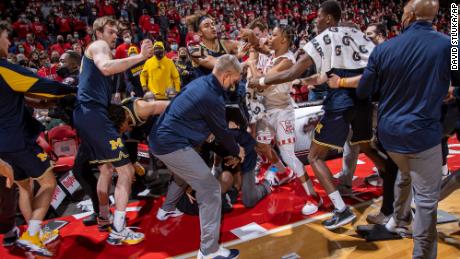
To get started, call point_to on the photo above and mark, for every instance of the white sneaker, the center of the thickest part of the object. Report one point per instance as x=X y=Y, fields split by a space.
x=163 y=215
x=222 y=253
x=124 y=237
x=312 y=206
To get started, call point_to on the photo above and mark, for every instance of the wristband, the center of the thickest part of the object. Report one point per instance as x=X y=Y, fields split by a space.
x=262 y=81
x=342 y=82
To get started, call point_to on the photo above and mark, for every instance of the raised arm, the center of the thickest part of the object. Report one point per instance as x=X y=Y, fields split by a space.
x=100 y=52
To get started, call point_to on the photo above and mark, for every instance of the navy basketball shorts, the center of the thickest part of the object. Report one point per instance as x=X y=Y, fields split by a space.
x=361 y=124
x=99 y=136
x=332 y=131
x=30 y=162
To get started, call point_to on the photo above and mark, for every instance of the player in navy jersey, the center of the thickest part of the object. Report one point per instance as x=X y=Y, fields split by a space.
x=99 y=135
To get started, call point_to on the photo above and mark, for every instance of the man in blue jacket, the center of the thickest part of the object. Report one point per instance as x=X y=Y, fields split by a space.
x=411 y=75
x=195 y=115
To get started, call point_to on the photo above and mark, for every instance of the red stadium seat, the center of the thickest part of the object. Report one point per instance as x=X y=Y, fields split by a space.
x=64 y=143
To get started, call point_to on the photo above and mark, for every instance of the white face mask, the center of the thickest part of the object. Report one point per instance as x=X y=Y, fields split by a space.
x=174 y=47
x=127 y=40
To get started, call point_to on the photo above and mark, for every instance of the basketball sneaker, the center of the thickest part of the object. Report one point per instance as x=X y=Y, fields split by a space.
x=339 y=219
x=33 y=244
x=10 y=238
x=312 y=205
x=222 y=253
x=163 y=215
x=124 y=237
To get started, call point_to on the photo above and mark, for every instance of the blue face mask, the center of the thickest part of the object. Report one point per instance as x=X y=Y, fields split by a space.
x=174 y=47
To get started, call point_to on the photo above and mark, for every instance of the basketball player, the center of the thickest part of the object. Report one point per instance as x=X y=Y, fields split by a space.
x=96 y=130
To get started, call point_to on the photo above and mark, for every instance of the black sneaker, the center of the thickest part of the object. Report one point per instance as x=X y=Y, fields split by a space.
x=11 y=240
x=91 y=220
x=339 y=219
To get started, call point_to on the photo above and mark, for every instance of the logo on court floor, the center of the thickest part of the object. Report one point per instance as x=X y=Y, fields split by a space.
x=116 y=143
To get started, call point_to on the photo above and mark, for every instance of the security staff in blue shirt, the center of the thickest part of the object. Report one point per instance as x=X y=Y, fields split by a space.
x=194 y=115
x=411 y=75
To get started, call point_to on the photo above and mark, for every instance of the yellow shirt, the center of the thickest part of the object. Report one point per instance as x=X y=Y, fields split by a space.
x=159 y=75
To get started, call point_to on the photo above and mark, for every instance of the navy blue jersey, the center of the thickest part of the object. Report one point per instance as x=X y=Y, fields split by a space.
x=196 y=112
x=94 y=87
x=17 y=126
x=411 y=75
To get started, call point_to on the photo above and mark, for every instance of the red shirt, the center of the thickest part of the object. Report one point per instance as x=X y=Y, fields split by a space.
x=122 y=50
x=79 y=25
x=39 y=29
x=87 y=40
x=49 y=72
x=153 y=29
x=144 y=21
x=28 y=48
x=64 y=25
x=171 y=55
x=21 y=28
x=106 y=10
x=61 y=48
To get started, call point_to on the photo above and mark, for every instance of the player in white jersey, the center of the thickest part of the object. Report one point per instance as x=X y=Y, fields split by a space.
x=277 y=124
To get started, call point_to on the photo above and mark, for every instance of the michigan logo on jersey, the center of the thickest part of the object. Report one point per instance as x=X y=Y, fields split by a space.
x=42 y=156
x=115 y=144
x=318 y=128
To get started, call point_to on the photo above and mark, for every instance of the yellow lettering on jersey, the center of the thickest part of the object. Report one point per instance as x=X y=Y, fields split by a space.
x=42 y=156
x=318 y=128
x=116 y=144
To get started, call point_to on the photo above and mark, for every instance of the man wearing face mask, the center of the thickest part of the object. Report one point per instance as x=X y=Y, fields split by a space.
x=122 y=50
x=174 y=47
x=68 y=68
x=409 y=125
x=60 y=46
x=160 y=75
x=184 y=66
x=194 y=115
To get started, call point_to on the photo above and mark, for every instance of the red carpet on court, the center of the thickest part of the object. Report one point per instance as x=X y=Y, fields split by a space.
x=181 y=235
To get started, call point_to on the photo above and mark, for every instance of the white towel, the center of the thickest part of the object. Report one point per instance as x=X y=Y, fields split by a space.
x=339 y=48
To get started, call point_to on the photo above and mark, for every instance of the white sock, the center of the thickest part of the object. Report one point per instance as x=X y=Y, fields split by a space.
x=104 y=211
x=308 y=187
x=337 y=201
x=445 y=170
x=391 y=225
x=119 y=220
x=34 y=227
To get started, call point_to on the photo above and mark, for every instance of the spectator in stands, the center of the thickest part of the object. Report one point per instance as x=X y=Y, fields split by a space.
x=160 y=75
x=31 y=45
x=122 y=50
x=184 y=66
x=61 y=46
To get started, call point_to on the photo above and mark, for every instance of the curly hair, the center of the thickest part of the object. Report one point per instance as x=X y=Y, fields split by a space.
x=117 y=115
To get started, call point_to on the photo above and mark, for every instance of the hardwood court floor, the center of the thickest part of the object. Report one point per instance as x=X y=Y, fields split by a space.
x=311 y=240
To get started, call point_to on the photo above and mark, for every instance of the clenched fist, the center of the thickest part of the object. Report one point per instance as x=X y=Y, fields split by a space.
x=147 y=49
